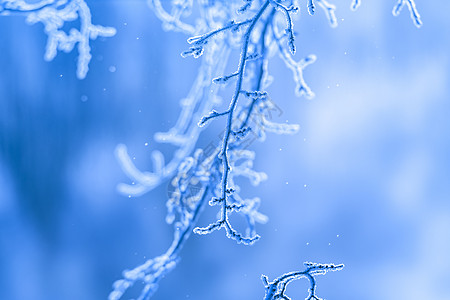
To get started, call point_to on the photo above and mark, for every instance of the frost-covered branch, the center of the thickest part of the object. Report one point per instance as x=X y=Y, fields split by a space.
x=201 y=100
x=328 y=8
x=172 y=21
x=276 y=289
x=199 y=41
x=257 y=96
x=223 y=222
x=259 y=30
x=54 y=14
x=355 y=4
x=296 y=67
x=415 y=16
x=153 y=270
x=290 y=25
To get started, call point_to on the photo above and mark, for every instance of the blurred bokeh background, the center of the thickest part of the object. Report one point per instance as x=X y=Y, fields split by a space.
x=366 y=182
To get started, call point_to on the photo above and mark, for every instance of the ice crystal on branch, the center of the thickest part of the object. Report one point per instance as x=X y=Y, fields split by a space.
x=53 y=14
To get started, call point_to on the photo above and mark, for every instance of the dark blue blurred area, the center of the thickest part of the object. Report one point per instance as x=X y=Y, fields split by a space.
x=366 y=182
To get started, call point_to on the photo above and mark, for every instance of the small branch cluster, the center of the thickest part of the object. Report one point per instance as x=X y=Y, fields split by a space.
x=53 y=14
x=415 y=16
x=277 y=288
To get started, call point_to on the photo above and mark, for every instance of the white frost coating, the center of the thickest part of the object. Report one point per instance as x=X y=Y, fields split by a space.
x=330 y=11
x=415 y=16
x=245 y=170
x=53 y=14
x=207 y=175
x=172 y=22
x=297 y=67
x=355 y=4
x=279 y=128
x=184 y=135
x=158 y=162
x=142 y=179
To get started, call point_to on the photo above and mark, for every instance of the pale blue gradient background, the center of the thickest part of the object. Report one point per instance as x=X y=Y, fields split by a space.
x=373 y=153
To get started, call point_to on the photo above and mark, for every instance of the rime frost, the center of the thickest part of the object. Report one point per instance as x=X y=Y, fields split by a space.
x=53 y=14
x=260 y=30
x=277 y=288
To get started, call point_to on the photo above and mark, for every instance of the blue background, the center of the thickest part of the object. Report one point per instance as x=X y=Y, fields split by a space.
x=365 y=182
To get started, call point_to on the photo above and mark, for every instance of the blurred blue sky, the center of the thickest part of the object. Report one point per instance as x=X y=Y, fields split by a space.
x=366 y=182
